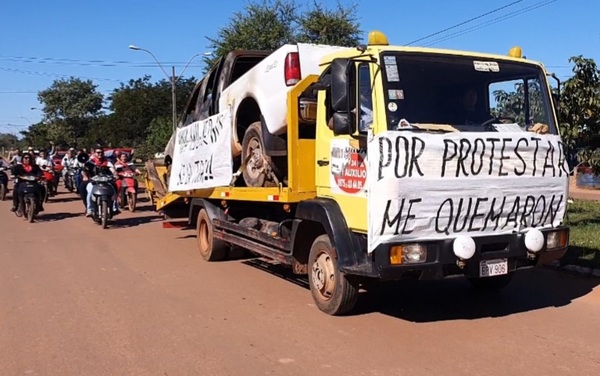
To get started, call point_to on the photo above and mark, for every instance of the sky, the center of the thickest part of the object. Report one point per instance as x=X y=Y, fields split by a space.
x=43 y=41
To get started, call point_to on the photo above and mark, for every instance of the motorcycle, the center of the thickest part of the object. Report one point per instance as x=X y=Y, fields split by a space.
x=48 y=183
x=102 y=198
x=57 y=171
x=29 y=201
x=129 y=188
x=3 y=183
x=70 y=179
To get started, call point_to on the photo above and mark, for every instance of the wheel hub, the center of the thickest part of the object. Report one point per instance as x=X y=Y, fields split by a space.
x=255 y=163
x=323 y=275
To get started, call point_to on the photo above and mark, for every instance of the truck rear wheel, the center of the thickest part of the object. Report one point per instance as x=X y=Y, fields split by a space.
x=331 y=290
x=210 y=248
x=260 y=169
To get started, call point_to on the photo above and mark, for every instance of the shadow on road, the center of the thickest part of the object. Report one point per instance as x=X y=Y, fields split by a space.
x=278 y=271
x=454 y=299
x=43 y=217
x=63 y=199
x=122 y=222
x=145 y=208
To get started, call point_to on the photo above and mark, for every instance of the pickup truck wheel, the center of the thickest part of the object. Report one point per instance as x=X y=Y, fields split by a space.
x=491 y=283
x=331 y=290
x=210 y=248
x=257 y=163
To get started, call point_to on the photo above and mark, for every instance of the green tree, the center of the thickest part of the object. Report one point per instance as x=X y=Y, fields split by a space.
x=336 y=27
x=579 y=111
x=69 y=106
x=8 y=141
x=159 y=133
x=269 y=24
x=36 y=135
x=137 y=103
x=511 y=104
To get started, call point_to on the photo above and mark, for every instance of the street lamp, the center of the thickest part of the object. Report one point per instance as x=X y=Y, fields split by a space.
x=171 y=78
x=30 y=123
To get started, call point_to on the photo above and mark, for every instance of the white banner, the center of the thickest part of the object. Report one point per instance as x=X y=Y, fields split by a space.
x=202 y=155
x=436 y=186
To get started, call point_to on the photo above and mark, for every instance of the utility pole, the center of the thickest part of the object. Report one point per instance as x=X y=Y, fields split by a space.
x=174 y=97
x=174 y=79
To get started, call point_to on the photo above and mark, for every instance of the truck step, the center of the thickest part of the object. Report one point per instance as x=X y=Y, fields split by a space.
x=267 y=260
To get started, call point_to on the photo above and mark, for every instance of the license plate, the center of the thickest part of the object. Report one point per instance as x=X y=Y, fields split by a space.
x=490 y=268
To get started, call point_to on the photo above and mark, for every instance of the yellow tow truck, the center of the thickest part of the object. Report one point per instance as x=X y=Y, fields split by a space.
x=402 y=162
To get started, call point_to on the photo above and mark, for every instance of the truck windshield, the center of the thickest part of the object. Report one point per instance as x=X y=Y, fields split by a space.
x=468 y=94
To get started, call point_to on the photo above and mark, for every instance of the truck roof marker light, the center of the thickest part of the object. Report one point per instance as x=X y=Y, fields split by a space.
x=273 y=197
x=515 y=52
x=292 y=69
x=224 y=194
x=377 y=38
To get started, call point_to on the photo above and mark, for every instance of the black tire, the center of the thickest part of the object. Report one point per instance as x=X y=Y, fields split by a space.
x=333 y=292
x=236 y=253
x=131 y=201
x=253 y=143
x=104 y=217
x=2 y=192
x=495 y=283
x=31 y=210
x=210 y=248
x=47 y=193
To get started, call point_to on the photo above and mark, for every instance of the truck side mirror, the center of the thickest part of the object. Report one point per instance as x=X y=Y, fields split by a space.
x=343 y=98
x=556 y=100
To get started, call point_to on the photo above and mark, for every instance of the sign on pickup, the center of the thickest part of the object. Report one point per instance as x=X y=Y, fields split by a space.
x=202 y=156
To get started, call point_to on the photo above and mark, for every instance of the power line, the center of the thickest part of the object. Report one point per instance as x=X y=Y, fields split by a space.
x=83 y=62
x=492 y=22
x=54 y=74
x=465 y=22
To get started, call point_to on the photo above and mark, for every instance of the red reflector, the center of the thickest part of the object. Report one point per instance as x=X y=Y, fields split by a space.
x=174 y=224
x=292 y=69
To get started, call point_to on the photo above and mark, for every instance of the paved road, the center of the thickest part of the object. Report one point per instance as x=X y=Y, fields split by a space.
x=137 y=300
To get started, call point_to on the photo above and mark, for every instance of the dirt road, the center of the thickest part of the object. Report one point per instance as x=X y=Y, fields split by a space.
x=136 y=299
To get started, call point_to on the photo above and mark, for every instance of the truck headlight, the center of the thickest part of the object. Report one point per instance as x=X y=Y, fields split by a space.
x=412 y=253
x=556 y=239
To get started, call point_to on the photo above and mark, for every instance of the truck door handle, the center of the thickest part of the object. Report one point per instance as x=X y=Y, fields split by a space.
x=322 y=162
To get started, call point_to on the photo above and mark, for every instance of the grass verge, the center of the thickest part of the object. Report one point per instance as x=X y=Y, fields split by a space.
x=584 y=221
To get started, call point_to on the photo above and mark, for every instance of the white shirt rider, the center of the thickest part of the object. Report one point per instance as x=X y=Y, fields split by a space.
x=70 y=162
x=45 y=163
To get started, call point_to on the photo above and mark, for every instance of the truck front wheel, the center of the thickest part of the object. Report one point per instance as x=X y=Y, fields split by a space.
x=331 y=290
x=210 y=248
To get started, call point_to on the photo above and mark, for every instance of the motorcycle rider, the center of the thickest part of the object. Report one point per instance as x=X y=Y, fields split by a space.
x=16 y=157
x=45 y=162
x=70 y=161
x=123 y=165
x=3 y=162
x=27 y=168
x=96 y=164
